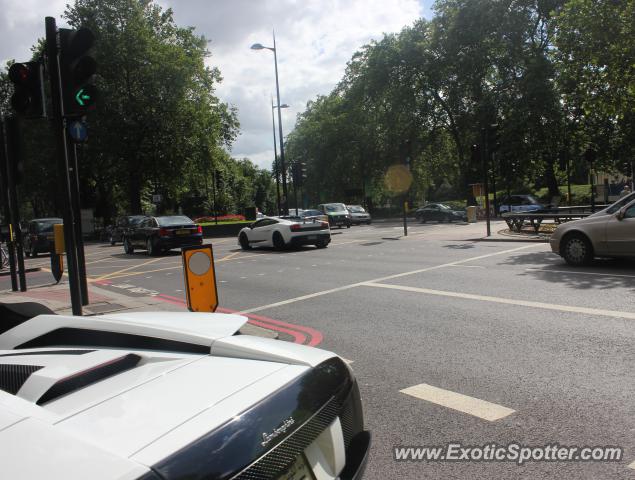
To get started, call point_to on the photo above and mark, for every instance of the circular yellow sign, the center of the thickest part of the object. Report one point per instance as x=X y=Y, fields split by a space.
x=398 y=179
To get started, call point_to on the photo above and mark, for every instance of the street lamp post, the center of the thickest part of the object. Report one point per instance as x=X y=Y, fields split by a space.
x=275 y=152
x=285 y=203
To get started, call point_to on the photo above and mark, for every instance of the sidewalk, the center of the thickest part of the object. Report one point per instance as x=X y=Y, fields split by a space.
x=57 y=298
x=500 y=233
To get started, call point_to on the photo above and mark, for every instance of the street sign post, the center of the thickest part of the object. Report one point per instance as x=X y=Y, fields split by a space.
x=77 y=131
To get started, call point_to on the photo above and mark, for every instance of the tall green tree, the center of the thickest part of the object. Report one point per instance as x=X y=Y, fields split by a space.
x=158 y=107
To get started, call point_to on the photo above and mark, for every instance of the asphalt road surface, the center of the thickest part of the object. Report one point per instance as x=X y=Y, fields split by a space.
x=452 y=340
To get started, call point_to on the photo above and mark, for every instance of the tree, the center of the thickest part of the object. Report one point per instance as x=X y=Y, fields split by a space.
x=159 y=104
x=596 y=64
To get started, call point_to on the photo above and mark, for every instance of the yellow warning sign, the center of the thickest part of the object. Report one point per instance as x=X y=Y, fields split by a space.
x=58 y=235
x=200 y=278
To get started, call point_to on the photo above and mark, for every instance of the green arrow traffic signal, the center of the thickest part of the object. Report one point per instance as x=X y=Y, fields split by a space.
x=81 y=96
x=85 y=96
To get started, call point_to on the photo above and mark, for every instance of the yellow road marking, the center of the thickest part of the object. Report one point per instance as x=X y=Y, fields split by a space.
x=457 y=401
x=122 y=274
x=228 y=257
x=108 y=275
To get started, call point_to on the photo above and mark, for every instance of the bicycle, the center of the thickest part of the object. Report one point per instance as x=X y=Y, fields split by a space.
x=4 y=257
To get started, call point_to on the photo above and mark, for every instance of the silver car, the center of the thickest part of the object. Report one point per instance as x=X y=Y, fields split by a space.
x=607 y=233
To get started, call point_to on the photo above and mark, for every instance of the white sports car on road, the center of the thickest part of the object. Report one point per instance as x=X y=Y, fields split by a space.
x=165 y=396
x=281 y=233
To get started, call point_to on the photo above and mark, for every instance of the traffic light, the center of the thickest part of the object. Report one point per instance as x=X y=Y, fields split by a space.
x=476 y=154
x=298 y=172
x=27 y=99
x=77 y=70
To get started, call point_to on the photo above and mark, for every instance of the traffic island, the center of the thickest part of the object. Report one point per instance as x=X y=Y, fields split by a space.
x=57 y=298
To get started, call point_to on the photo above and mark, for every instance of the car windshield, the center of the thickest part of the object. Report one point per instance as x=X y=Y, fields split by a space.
x=444 y=207
x=45 y=227
x=311 y=213
x=176 y=220
x=335 y=207
x=620 y=203
x=135 y=220
x=356 y=209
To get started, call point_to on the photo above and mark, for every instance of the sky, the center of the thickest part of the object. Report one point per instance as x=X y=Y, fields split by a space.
x=314 y=40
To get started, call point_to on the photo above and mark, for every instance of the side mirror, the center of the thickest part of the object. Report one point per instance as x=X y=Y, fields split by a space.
x=621 y=213
x=251 y=226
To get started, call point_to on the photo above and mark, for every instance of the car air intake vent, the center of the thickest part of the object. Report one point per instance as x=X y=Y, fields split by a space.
x=14 y=314
x=98 y=338
x=48 y=352
x=87 y=377
x=12 y=377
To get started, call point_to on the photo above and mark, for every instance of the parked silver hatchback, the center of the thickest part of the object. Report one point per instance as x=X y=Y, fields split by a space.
x=607 y=233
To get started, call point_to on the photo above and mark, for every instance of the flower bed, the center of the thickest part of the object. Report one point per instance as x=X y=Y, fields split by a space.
x=220 y=218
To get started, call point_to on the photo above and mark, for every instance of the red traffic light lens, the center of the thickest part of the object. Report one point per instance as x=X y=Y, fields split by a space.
x=20 y=73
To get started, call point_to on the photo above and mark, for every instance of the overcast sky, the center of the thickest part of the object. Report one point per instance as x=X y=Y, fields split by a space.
x=314 y=40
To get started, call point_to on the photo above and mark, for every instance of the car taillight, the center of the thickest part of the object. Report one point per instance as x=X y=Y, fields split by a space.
x=164 y=232
x=199 y=229
x=295 y=227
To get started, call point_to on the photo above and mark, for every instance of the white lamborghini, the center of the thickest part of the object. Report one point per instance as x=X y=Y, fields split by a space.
x=283 y=232
x=164 y=396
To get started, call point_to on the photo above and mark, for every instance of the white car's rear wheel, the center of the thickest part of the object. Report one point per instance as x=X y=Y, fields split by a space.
x=244 y=241
x=278 y=241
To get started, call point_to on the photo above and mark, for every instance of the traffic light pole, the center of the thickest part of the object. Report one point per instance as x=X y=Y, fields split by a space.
x=11 y=136
x=485 y=160
x=79 y=237
x=4 y=165
x=59 y=128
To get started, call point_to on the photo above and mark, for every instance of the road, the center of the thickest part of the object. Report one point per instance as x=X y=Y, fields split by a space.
x=452 y=340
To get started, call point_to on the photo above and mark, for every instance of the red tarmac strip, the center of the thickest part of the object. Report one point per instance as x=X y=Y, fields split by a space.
x=298 y=332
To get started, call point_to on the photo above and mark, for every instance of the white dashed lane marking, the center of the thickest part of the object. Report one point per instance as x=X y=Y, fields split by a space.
x=382 y=279
x=457 y=401
x=508 y=301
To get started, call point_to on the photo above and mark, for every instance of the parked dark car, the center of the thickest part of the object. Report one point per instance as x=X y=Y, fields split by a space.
x=359 y=215
x=38 y=236
x=336 y=213
x=520 y=203
x=160 y=234
x=123 y=224
x=307 y=215
x=440 y=212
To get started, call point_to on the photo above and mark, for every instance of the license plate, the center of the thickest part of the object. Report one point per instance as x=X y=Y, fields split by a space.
x=300 y=470
x=312 y=237
x=182 y=232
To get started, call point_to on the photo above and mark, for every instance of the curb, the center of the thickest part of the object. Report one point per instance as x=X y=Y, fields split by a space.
x=508 y=240
x=26 y=270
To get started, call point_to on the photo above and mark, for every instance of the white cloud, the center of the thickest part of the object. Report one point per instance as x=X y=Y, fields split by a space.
x=315 y=39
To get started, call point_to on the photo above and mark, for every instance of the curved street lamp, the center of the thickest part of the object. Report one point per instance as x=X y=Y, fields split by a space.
x=258 y=46
x=275 y=152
